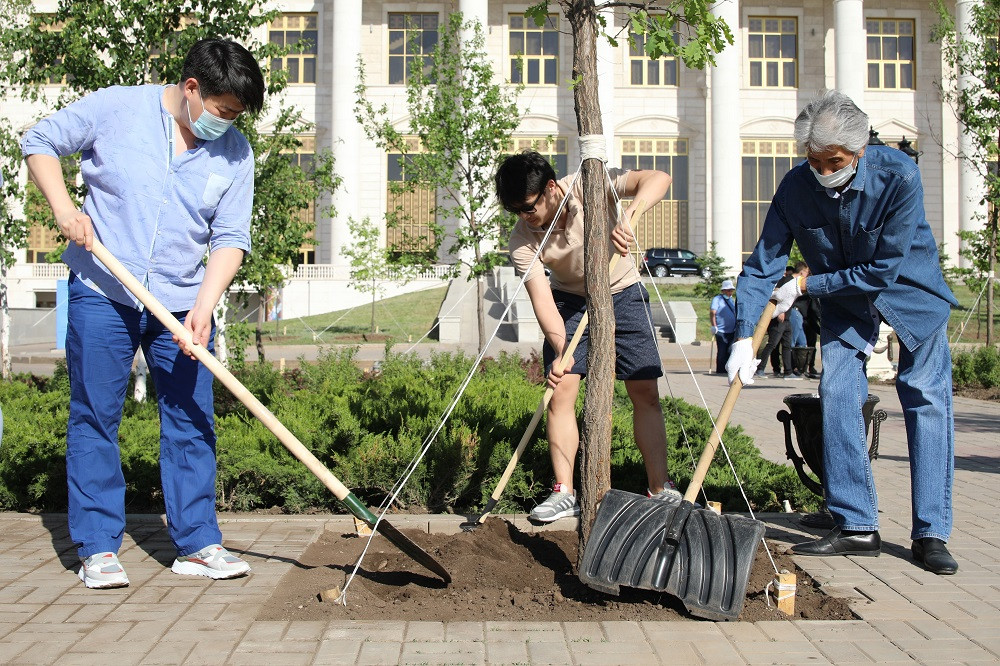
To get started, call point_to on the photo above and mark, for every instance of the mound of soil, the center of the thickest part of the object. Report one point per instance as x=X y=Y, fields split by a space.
x=498 y=573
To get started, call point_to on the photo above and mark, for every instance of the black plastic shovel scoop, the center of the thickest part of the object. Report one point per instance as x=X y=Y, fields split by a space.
x=697 y=555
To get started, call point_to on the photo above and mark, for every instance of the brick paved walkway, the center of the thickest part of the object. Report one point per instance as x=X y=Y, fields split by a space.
x=906 y=614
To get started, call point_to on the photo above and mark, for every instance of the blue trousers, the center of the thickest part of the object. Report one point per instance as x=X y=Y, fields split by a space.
x=923 y=383
x=101 y=341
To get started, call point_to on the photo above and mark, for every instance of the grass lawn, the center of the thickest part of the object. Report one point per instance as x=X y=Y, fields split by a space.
x=410 y=316
x=399 y=317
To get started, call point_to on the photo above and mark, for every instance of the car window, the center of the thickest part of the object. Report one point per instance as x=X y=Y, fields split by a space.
x=687 y=255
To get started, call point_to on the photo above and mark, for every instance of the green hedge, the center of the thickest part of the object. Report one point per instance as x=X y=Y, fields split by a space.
x=367 y=427
x=978 y=369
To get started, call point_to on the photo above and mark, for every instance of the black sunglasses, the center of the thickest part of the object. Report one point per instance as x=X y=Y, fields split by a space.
x=525 y=210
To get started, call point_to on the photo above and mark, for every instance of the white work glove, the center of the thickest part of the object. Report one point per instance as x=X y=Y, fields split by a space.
x=785 y=295
x=742 y=361
x=715 y=329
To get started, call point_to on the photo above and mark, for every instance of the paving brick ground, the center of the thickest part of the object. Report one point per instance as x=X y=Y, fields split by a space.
x=907 y=615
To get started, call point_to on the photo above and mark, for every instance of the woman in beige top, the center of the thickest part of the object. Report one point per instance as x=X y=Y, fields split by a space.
x=527 y=186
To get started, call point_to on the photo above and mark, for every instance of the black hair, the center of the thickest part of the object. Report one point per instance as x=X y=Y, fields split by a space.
x=522 y=175
x=224 y=67
x=799 y=265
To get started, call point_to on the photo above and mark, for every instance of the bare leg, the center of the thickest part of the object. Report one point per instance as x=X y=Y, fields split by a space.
x=650 y=433
x=564 y=434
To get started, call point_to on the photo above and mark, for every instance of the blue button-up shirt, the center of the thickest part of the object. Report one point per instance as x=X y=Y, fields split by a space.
x=156 y=212
x=869 y=246
x=725 y=313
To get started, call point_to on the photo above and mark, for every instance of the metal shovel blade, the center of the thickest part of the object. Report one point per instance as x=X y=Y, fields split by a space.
x=707 y=570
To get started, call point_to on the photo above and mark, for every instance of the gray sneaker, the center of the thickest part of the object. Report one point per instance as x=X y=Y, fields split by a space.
x=213 y=561
x=557 y=505
x=669 y=492
x=102 y=571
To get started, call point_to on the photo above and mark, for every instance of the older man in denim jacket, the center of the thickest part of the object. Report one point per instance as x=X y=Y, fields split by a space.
x=857 y=214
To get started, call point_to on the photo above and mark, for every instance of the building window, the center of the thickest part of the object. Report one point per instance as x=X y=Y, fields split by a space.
x=666 y=223
x=299 y=33
x=773 y=52
x=411 y=213
x=554 y=148
x=646 y=71
x=303 y=157
x=41 y=241
x=765 y=163
x=891 y=56
x=534 y=50
x=412 y=40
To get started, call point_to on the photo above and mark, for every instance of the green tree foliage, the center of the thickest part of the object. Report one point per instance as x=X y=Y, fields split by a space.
x=978 y=369
x=702 y=35
x=366 y=427
x=372 y=265
x=977 y=107
x=463 y=121
x=90 y=44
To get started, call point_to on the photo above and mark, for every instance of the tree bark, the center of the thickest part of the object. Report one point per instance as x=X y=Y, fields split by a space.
x=595 y=469
x=259 y=333
x=480 y=301
x=5 y=364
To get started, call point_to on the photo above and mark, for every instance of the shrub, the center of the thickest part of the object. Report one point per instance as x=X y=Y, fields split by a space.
x=367 y=427
x=978 y=369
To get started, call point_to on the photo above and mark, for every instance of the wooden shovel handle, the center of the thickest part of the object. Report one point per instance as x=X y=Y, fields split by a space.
x=294 y=446
x=722 y=420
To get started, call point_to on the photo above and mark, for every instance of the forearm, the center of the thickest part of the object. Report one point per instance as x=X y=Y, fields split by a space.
x=649 y=187
x=547 y=314
x=222 y=266
x=46 y=172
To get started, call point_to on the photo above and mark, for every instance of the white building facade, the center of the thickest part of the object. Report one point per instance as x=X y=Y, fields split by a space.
x=724 y=134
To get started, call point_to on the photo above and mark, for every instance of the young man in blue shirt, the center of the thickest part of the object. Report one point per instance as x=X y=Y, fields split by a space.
x=857 y=214
x=168 y=180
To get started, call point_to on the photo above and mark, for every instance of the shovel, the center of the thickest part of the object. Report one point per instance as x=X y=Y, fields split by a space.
x=294 y=446
x=697 y=555
x=561 y=363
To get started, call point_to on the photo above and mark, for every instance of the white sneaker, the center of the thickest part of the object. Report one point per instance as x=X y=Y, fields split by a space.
x=669 y=492
x=102 y=571
x=557 y=505
x=213 y=561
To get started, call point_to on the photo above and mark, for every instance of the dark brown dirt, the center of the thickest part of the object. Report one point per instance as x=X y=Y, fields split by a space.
x=498 y=573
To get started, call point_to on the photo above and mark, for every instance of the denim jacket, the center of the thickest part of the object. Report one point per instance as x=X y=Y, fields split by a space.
x=868 y=246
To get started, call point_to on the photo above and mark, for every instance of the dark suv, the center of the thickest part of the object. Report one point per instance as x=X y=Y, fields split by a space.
x=664 y=261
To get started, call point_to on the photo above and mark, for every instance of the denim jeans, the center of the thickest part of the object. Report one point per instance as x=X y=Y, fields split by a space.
x=798 y=332
x=101 y=341
x=923 y=384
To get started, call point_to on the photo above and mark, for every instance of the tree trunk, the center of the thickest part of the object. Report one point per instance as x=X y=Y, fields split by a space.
x=141 y=375
x=5 y=366
x=990 y=283
x=480 y=302
x=371 y=324
x=259 y=333
x=221 y=310
x=595 y=470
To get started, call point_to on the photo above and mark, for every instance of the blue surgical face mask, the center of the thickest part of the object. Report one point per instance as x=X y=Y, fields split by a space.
x=209 y=126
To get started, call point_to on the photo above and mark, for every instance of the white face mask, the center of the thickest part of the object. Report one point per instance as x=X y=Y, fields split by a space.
x=835 y=179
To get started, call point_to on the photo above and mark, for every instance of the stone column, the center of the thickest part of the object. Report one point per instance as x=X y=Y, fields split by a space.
x=727 y=176
x=345 y=132
x=850 y=49
x=608 y=69
x=971 y=212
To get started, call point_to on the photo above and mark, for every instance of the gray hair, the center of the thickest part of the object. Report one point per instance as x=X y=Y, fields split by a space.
x=832 y=121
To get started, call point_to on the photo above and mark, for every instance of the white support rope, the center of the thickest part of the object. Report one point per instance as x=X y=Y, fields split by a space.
x=429 y=440
x=957 y=335
x=694 y=378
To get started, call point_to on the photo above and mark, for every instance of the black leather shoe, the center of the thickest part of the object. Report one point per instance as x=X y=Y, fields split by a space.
x=867 y=544
x=934 y=555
